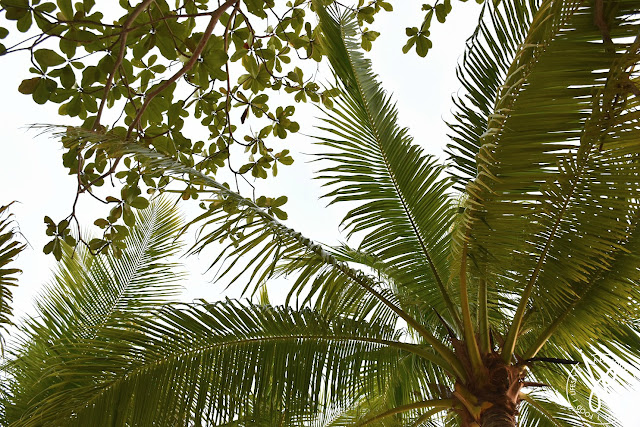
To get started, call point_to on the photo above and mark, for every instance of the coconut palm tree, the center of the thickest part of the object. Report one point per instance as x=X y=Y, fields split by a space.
x=467 y=299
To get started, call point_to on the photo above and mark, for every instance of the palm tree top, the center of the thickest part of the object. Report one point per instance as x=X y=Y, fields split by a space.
x=452 y=310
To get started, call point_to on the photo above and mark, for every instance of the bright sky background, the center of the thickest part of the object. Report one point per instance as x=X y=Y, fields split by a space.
x=31 y=170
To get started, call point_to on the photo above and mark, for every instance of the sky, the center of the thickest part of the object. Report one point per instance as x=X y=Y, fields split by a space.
x=31 y=171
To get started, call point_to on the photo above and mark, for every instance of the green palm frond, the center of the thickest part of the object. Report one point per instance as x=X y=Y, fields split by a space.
x=408 y=297
x=558 y=176
x=580 y=321
x=89 y=292
x=580 y=384
x=256 y=235
x=331 y=291
x=538 y=410
x=350 y=415
x=502 y=28
x=140 y=279
x=9 y=250
x=412 y=381
x=210 y=363
x=402 y=203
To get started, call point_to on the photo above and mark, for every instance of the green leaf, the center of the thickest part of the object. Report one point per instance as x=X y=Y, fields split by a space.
x=48 y=248
x=128 y=215
x=66 y=8
x=139 y=203
x=43 y=91
x=48 y=58
x=423 y=44
x=57 y=249
x=279 y=213
x=101 y=222
x=410 y=42
x=29 y=86
x=24 y=23
x=97 y=244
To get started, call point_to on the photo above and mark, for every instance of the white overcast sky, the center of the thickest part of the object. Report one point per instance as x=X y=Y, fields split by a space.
x=31 y=171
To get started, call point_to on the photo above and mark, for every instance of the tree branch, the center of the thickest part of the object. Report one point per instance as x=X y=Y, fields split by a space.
x=215 y=17
x=123 y=45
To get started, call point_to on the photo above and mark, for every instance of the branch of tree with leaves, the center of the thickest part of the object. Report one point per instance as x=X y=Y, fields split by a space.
x=198 y=81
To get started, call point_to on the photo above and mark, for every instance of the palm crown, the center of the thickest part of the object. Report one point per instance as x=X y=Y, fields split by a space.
x=498 y=289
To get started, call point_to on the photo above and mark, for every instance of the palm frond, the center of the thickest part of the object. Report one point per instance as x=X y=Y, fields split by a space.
x=257 y=236
x=140 y=279
x=402 y=203
x=558 y=172
x=502 y=28
x=580 y=321
x=211 y=363
x=411 y=382
x=89 y=292
x=9 y=250
x=408 y=297
x=538 y=410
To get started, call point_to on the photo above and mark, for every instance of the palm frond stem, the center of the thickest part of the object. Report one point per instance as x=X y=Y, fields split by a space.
x=483 y=317
x=401 y=197
x=439 y=404
x=468 y=329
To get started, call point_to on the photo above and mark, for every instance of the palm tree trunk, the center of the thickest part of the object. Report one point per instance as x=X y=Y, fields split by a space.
x=499 y=416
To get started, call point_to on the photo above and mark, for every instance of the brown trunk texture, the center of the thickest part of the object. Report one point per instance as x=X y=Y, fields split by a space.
x=498 y=416
x=492 y=401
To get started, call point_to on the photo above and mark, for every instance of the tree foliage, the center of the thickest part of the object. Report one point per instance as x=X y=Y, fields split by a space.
x=200 y=81
x=465 y=308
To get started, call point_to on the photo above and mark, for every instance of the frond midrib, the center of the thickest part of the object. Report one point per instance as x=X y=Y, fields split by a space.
x=142 y=249
x=276 y=338
x=397 y=188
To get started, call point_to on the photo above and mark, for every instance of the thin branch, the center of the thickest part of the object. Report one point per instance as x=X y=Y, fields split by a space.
x=215 y=16
x=123 y=45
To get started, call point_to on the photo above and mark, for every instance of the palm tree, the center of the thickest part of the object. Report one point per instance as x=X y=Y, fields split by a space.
x=466 y=298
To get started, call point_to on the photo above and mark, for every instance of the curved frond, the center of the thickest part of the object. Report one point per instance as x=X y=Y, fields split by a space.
x=408 y=297
x=402 y=401
x=211 y=363
x=502 y=28
x=580 y=321
x=138 y=280
x=9 y=250
x=89 y=292
x=402 y=202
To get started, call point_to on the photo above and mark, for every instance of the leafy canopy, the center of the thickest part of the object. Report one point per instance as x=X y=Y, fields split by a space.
x=460 y=309
x=199 y=81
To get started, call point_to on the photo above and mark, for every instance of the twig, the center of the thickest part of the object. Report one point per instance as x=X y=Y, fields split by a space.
x=123 y=44
x=215 y=16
